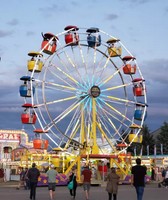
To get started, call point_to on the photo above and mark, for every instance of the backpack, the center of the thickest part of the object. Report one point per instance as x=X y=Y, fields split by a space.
x=163 y=173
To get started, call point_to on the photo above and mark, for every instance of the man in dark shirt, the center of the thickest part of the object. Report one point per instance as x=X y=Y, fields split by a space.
x=138 y=178
x=33 y=175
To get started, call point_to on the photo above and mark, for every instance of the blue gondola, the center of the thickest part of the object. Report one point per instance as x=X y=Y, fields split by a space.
x=138 y=114
x=25 y=89
x=93 y=38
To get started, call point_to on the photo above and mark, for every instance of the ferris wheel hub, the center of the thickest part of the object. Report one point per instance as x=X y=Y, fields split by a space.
x=95 y=91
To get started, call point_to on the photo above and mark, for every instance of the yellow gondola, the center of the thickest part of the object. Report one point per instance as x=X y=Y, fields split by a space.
x=133 y=136
x=114 y=50
x=34 y=64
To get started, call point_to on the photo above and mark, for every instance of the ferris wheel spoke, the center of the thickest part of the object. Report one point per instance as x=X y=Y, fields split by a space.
x=73 y=126
x=94 y=60
x=59 y=86
x=52 y=139
x=102 y=67
x=61 y=79
x=57 y=101
x=73 y=63
x=116 y=87
x=59 y=90
x=109 y=114
x=115 y=99
x=105 y=123
x=117 y=133
x=67 y=111
x=109 y=78
x=83 y=57
x=64 y=134
x=67 y=75
x=118 y=101
x=116 y=111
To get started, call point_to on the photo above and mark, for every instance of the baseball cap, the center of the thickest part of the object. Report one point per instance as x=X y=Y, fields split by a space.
x=52 y=166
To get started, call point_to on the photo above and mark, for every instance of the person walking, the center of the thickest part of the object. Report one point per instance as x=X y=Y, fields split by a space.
x=112 y=184
x=86 y=178
x=33 y=175
x=166 y=178
x=51 y=174
x=153 y=174
x=26 y=180
x=21 y=181
x=138 y=178
x=73 y=177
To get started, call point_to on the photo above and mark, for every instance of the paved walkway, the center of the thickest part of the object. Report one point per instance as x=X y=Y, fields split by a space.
x=126 y=192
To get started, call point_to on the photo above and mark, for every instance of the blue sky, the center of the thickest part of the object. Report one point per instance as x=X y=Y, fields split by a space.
x=141 y=25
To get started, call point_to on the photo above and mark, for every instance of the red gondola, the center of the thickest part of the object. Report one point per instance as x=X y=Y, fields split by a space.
x=49 y=43
x=138 y=88
x=72 y=37
x=28 y=117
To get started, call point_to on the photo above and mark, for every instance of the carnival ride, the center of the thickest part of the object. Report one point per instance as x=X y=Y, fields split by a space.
x=84 y=93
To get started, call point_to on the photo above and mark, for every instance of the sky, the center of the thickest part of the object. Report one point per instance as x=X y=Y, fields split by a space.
x=141 y=25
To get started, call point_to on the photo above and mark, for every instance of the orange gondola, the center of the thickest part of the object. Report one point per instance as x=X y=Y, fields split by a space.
x=129 y=68
x=40 y=143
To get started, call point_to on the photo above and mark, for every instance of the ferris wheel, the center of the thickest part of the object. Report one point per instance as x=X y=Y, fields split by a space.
x=84 y=88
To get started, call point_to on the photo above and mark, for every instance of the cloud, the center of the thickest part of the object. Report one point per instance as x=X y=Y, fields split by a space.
x=156 y=71
x=5 y=33
x=13 y=22
x=137 y=1
x=52 y=9
x=30 y=33
x=111 y=17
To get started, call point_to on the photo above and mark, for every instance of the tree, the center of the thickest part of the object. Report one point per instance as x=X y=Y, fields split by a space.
x=162 y=138
x=148 y=141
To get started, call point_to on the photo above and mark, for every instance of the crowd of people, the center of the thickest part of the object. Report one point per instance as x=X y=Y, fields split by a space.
x=29 y=180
